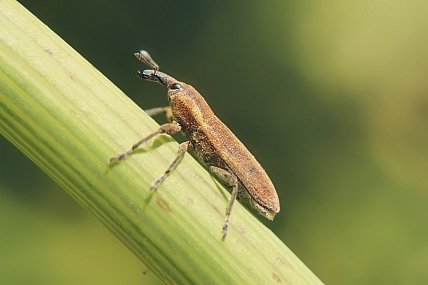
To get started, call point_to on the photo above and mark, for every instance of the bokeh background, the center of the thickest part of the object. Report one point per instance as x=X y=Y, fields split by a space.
x=331 y=97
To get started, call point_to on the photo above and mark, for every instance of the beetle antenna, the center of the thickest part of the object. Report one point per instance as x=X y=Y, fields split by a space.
x=145 y=57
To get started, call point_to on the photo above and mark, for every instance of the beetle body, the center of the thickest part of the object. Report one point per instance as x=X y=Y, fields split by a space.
x=216 y=145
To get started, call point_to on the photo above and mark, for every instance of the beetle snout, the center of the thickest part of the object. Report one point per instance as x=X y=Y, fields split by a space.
x=157 y=76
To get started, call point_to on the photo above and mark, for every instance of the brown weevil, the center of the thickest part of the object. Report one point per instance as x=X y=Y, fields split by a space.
x=213 y=142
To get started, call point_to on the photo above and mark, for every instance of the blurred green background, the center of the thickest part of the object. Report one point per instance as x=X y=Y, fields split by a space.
x=331 y=97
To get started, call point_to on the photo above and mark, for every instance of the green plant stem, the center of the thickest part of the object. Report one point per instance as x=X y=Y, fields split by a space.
x=69 y=119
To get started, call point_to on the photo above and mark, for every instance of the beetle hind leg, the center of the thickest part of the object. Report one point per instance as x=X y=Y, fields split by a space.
x=231 y=180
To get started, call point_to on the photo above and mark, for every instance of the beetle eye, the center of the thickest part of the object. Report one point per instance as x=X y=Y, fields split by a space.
x=175 y=86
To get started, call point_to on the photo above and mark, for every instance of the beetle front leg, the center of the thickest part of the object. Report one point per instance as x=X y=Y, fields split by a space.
x=168 y=128
x=159 y=110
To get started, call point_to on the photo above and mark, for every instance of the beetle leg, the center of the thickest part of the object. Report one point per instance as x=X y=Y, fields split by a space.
x=231 y=180
x=182 y=149
x=168 y=128
x=159 y=110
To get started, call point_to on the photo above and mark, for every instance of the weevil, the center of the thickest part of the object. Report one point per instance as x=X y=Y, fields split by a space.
x=212 y=141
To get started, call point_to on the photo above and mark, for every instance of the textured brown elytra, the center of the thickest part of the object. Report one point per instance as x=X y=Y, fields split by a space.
x=213 y=143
